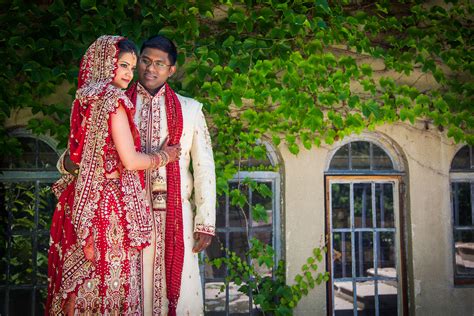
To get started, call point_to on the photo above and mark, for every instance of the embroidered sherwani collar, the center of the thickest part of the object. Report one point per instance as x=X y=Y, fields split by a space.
x=147 y=96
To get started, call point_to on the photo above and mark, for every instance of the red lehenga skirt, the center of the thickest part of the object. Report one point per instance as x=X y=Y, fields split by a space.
x=109 y=283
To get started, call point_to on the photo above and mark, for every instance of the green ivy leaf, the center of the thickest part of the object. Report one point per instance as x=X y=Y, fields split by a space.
x=87 y=5
x=293 y=148
x=406 y=113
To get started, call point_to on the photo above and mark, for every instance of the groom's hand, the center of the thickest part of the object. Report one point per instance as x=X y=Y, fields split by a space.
x=202 y=241
x=70 y=166
x=173 y=151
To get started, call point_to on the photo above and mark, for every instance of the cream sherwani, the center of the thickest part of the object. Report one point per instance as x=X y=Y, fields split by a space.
x=198 y=213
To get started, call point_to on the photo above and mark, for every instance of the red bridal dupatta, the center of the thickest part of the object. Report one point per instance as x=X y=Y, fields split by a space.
x=89 y=200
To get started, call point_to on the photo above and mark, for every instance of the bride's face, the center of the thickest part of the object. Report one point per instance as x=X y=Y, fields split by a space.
x=125 y=66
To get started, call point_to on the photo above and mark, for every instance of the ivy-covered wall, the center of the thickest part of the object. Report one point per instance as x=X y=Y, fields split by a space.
x=300 y=73
x=284 y=69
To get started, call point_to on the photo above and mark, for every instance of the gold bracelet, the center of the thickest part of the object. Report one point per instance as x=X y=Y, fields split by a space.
x=159 y=160
x=154 y=161
x=150 y=157
x=164 y=158
x=160 y=157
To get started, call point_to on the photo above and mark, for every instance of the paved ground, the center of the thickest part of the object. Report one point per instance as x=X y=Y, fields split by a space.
x=344 y=298
x=215 y=300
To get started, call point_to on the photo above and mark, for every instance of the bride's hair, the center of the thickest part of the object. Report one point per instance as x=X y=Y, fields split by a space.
x=127 y=46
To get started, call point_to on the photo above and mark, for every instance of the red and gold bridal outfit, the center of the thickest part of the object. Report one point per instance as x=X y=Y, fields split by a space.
x=96 y=214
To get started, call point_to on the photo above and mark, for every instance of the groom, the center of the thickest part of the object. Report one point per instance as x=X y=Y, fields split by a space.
x=170 y=276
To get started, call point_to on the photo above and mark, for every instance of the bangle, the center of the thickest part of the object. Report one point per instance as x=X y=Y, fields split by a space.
x=165 y=158
x=159 y=159
x=154 y=162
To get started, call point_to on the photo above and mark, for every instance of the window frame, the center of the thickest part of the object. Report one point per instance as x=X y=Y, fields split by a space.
x=461 y=176
x=274 y=178
x=37 y=177
x=351 y=169
x=400 y=232
x=380 y=140
x=398 y=172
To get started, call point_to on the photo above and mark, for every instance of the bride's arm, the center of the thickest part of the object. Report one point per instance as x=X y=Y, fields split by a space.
x=123 y=139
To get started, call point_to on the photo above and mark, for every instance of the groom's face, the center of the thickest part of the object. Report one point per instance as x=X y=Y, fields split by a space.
x=154 y=68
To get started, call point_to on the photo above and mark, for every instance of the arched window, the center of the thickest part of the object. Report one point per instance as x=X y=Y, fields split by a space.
x=363 y=228
x=26 y=206
x=361 y=156
x=462 y=193
x=235 y=226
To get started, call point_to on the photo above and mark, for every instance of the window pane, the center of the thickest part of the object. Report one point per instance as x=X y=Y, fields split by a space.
x=4 y=224
x=462 y=203
x=41 y=300
x=362 y=205
x=343 y=298
x=21 y=260
x=340 y=160
x=357 y=156
x=5 y=163
x=3 y=261
x=366 y=298
x=263 y=197
x=238 y=302
x=364 y=257
x=42 y=259
x=238 y=216
x=266 y=238
x=371 y=294
x=360 y=152
x=215 y=250
x=380 y=159
x=464 y=252
x=20 y=202
x=220 y=211
x=384 y=205
x=20 y=302
x=215 y=296
x=238 y=242
x=2 y=302
x=462 y=159
x=388 y=301
x=340 y=199
x=35 y=154
x=47 y=157
x=342 y=255
x=262 y=161
x=386 y=254
x=27 y=160
x=240 y=223
x=46 y=205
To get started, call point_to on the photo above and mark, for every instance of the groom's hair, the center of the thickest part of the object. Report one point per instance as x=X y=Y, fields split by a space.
x=162 y=43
